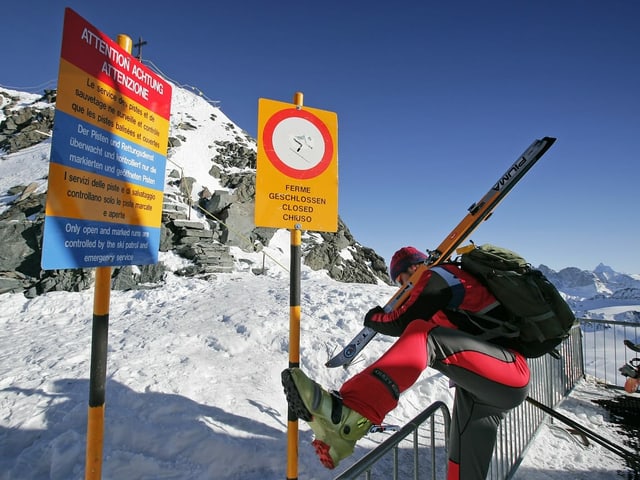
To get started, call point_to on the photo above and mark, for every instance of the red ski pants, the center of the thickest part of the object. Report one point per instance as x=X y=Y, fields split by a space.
x=490 y=380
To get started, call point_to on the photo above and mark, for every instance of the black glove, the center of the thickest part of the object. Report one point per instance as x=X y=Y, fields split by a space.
x=368 y=318
x=394 y=329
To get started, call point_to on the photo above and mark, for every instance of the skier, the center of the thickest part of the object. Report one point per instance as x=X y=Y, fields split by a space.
x=433 y=331
x=631 y=370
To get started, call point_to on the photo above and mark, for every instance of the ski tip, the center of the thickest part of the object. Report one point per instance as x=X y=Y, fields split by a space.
x=332 y=364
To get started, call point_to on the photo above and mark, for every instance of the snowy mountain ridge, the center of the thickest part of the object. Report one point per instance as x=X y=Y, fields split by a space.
x=210 y=180
x=211 y=161
x=601 y=282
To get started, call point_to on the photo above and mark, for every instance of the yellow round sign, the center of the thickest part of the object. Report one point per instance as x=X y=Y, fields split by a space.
x=297 y=168
x=297 y=143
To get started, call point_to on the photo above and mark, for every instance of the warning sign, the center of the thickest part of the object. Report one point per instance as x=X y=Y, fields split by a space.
x=108 y=155
x=297 y=168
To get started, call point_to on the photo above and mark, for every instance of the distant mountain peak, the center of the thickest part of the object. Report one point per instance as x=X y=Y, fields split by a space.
x=602 y=268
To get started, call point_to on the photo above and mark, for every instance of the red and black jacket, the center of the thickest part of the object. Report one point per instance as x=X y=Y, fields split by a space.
x=446 y=295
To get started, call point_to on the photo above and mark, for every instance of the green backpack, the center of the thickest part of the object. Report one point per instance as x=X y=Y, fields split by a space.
x=538 y=318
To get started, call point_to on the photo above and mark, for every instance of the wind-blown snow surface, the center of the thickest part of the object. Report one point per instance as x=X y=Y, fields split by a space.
x=193 y=386
x=193 y=389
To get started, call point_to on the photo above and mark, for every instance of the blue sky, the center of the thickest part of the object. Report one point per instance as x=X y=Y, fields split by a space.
x=434 y=101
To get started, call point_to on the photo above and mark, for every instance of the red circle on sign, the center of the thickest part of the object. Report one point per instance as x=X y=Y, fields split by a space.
x=267 y=136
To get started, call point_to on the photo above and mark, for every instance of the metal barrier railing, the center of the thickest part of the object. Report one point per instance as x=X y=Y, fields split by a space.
x=551 y=380
x=603 y=344
x=420 y=462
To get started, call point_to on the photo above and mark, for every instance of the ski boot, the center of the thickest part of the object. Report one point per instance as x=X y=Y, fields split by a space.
x=336 y=427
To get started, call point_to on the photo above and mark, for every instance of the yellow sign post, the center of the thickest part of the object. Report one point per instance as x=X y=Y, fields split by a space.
x=106 y=180
x=297 y=189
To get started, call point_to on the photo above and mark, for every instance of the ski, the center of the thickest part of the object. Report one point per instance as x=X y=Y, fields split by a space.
x=633 y=346
x=476 y=213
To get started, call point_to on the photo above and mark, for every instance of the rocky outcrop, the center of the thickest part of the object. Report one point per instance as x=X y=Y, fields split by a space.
x=344 y=258
x=21 y=229
x=26 y=125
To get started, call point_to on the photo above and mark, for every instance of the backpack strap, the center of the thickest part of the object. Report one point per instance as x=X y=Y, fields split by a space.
x=488 y=308
x=457 y=293
x=454 y=284
x=502 y=328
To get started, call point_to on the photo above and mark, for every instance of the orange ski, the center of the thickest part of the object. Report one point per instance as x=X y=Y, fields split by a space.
x=477 y=213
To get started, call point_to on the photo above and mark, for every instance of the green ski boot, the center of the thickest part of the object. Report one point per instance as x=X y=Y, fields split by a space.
x=337 y=428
